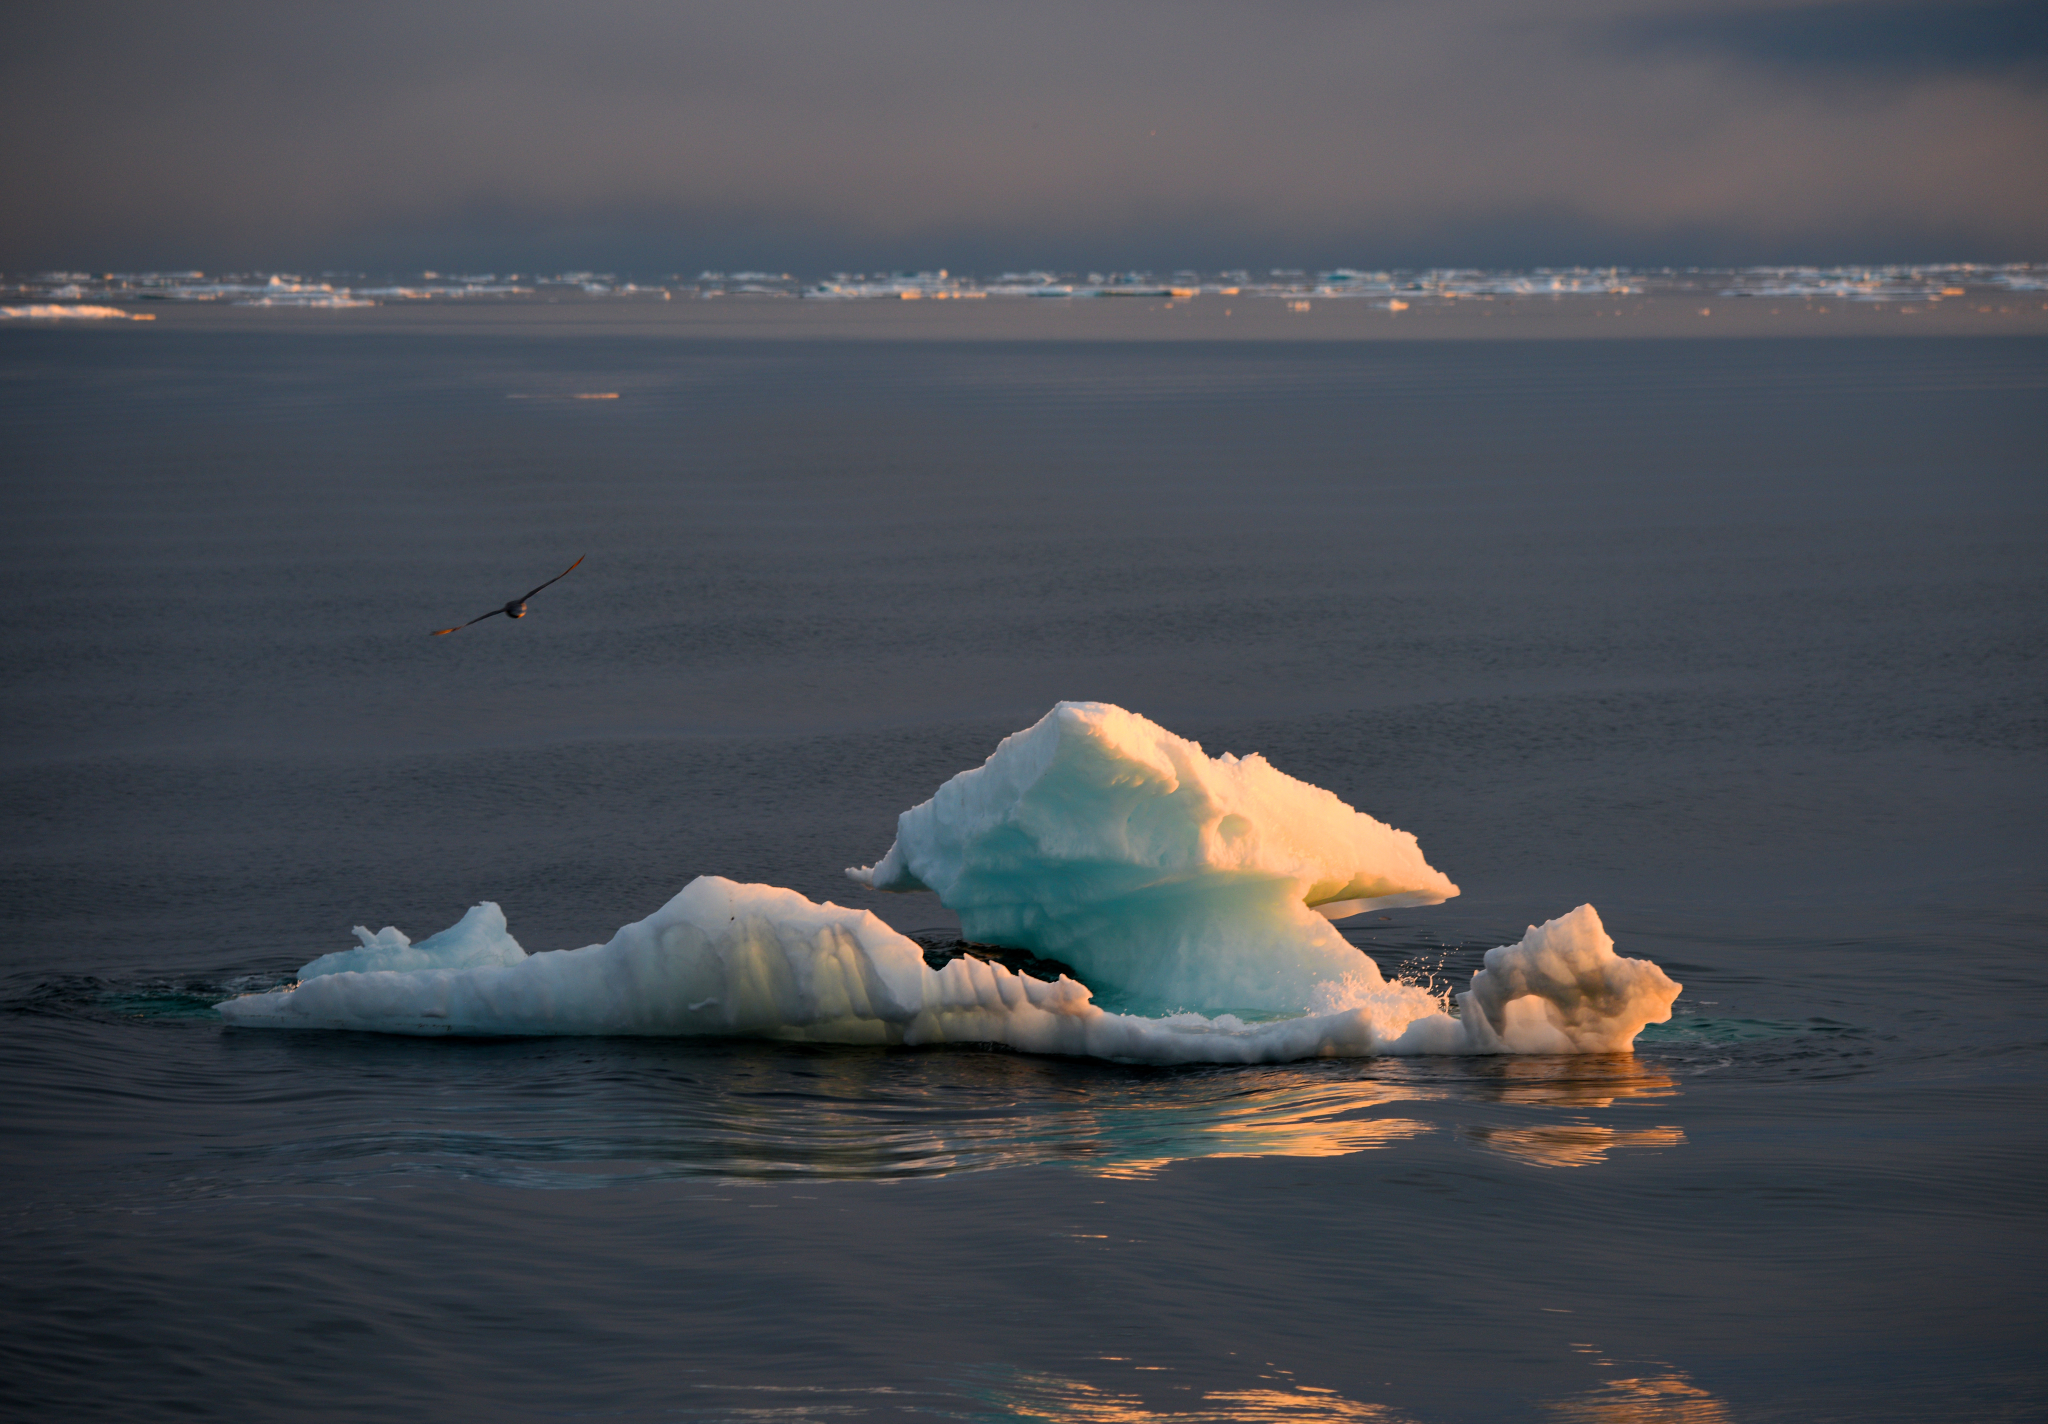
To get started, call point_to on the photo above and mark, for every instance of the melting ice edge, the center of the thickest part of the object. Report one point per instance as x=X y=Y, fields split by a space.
x=1195 y=894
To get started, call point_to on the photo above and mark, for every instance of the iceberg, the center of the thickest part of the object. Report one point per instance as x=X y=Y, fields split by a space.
x=727 y=959
x=1194 y=895
x=1169 y=879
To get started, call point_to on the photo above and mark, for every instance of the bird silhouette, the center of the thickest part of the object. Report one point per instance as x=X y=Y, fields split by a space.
x=515 y=609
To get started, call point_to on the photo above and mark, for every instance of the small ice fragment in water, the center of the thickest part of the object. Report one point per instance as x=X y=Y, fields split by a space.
x=478 y=938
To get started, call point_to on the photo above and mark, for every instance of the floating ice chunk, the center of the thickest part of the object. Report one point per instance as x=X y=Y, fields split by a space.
x=478 y=938
x=1195 y=893
x=1563 y=989
x=727 y=959
x=720 y=958
x=51 y=311
x=1170 y=879
x=295 y=298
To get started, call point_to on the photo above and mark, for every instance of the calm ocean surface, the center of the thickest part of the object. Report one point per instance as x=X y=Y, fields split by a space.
x=1744 y=642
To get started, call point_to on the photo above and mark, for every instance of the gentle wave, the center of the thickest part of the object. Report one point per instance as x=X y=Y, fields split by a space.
x=317 y=1107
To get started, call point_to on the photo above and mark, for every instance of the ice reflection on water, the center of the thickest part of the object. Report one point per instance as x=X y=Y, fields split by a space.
x=522 y=1113
x=776 y=1114
x=1296 y=1125
x=1571 y=1144
x=592 y=1113
x=1065 y=1401
x=1589 y=1081
x=1660 y=1395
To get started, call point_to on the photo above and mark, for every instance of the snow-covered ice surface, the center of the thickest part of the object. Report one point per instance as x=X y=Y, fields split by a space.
x=1183 y=887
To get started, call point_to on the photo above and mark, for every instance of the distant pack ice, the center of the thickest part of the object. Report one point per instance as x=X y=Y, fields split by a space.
x=1183 y=888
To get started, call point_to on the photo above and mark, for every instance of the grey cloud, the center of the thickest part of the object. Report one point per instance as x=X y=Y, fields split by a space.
x=651 y=137
x=1894 y=37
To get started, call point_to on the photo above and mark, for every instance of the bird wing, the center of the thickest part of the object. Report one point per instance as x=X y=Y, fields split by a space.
x=444 y=632
x=557 y=578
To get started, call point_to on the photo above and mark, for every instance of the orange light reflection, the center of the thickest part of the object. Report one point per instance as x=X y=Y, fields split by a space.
x=1063 y=1401
x=1570 y=1144
x=1668 y=1398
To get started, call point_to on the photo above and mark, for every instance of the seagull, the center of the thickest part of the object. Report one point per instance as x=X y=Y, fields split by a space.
x=515 y=609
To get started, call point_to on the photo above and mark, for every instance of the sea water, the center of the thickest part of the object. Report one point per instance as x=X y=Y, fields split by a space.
x=1739 y=641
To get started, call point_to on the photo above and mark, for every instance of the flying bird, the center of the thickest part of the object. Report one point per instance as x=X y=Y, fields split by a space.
x=515 y=609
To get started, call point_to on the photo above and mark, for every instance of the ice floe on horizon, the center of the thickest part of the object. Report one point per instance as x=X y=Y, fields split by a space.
x=54 y=312
x=1393 y=289
x=1184 y=888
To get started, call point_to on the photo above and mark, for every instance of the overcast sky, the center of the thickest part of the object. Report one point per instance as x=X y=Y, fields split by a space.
x=809 y=136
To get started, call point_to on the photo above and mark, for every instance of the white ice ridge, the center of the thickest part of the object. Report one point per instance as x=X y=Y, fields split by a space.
x=1168 y=878
x=478 y=938
x=723 y=958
